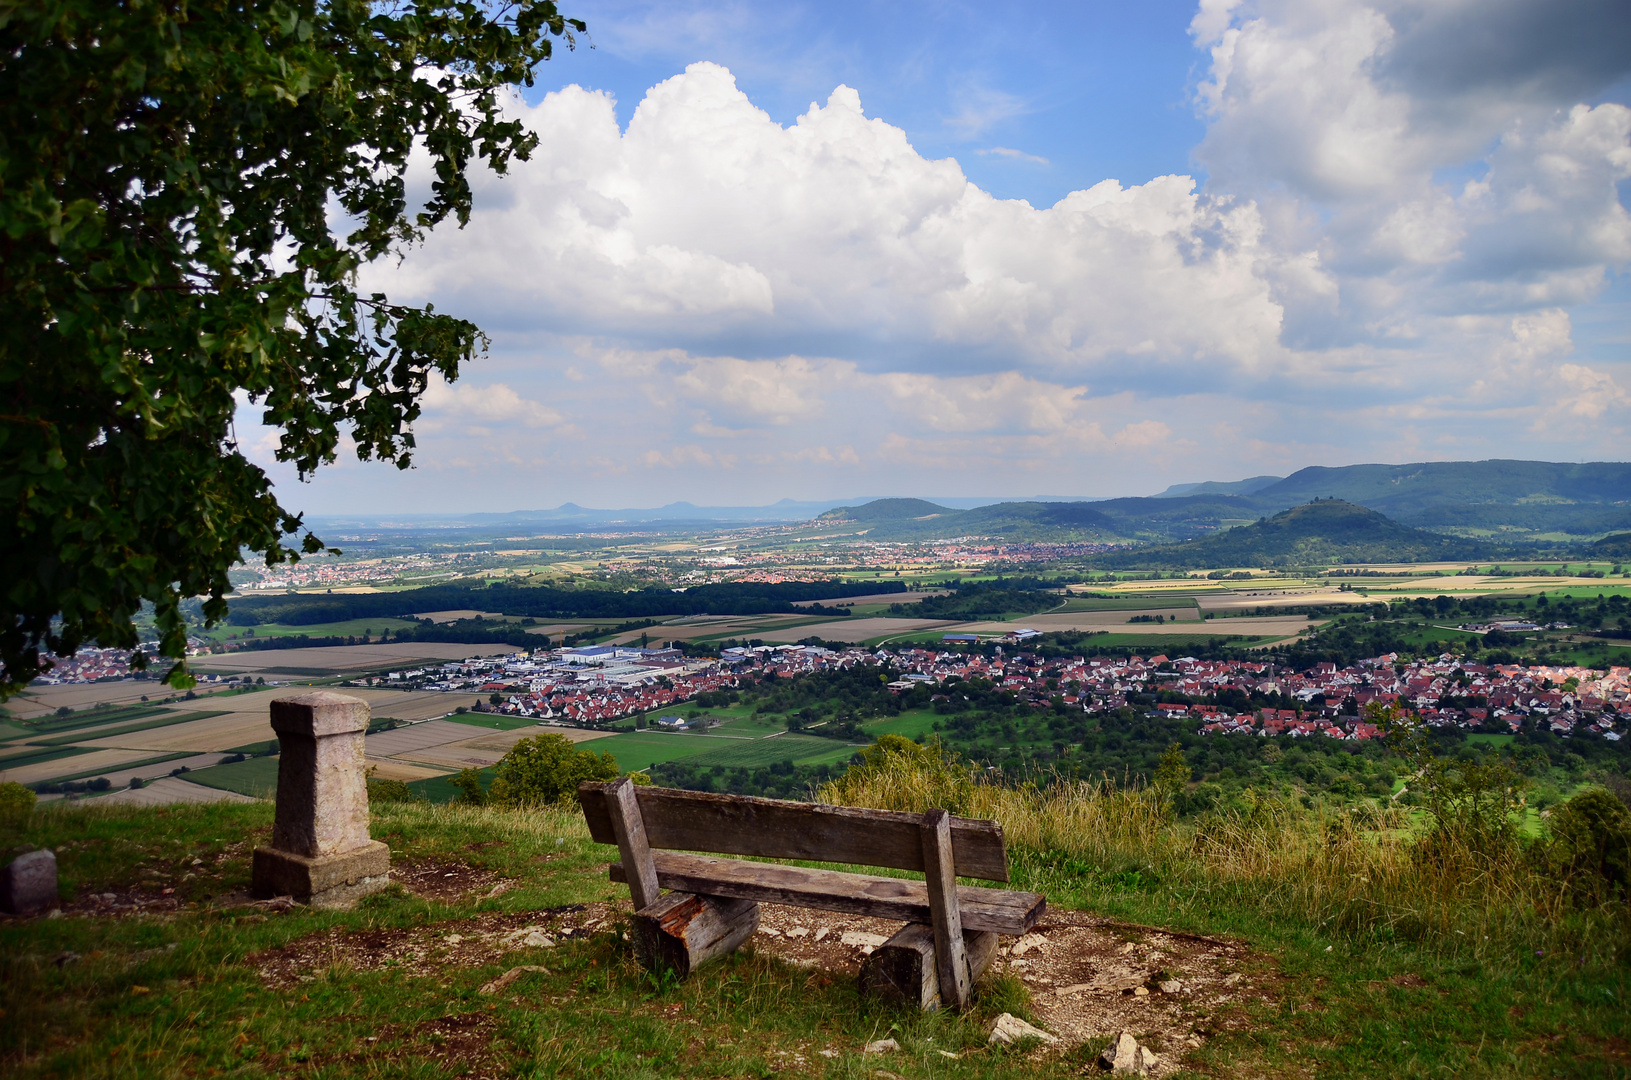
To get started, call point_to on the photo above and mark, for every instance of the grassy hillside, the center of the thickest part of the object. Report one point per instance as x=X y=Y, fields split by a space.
x=1331 y=948
x=1326 y=531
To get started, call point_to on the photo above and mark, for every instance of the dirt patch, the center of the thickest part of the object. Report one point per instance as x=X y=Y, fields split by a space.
x=424 y=951
x=444 y=881
x=1089 y=978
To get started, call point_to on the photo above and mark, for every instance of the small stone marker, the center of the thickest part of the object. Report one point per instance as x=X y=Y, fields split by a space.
x=29 y=884
x=321 y=853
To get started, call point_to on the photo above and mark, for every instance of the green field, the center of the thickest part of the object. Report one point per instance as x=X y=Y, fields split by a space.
x=800 y=749
x=908 y=725
x=643 y=749
x=1128 y=603
x=254 y=776
x=346 y=628
x=1492 y=739
x=494 y=721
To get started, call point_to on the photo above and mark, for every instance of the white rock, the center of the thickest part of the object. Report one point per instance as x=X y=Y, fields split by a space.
x=1127 y=1057
x=882 y=1046
x=798 y=931
x=1008 y=1028
x=1027 y=943
x=827 y=1052
x=768 y=932
x=535 y=940
x=856 y=937
x=823 y=932
x=1172 y=986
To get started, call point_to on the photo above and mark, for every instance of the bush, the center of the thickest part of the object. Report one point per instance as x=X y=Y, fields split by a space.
x=1590 y=847
x=16 y=804
x=468 y=781
x=388 y=791
x=135 y=783
x=546 y=769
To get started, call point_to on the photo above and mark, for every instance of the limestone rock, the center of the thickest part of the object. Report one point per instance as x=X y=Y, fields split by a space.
x=28 y=885
x=882 y=1046
x=1127 y=1057
x=1008 y=1029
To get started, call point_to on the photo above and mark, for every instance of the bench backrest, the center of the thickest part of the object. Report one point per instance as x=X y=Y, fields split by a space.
x=778 y=829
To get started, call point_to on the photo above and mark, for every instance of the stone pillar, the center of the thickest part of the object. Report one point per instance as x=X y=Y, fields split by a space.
x=321 y=853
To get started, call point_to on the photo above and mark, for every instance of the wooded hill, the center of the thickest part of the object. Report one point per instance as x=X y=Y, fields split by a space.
x=1517 y=499
x=1327 y=531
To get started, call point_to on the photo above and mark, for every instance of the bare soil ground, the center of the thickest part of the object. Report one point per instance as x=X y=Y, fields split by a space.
x=1089 y=978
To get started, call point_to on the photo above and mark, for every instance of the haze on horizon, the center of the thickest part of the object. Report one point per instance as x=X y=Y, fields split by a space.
x=805 y=251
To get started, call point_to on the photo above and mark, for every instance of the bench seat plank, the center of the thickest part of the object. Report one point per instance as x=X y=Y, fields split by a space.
x=782 y=829
x=1001 y=911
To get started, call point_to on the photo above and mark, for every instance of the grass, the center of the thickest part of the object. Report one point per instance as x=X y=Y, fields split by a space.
x=800 y=749
x=253 y=776
x=346 y=628
x=643 y=749
x=908 y=724
x=494 y=721
x=1124 y=603
x=180 y=993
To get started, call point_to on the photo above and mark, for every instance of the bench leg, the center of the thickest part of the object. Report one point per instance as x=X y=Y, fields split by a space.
x=903 y=967
x=682 y=931
x=940 y=874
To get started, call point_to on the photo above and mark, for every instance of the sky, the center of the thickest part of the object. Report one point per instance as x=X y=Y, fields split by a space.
x=821 y=250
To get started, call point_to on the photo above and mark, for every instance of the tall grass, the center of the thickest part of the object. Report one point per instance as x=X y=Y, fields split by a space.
x=1370 y=871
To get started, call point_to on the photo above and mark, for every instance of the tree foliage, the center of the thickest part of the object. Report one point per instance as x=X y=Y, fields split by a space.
x=546 y=769
x=187 y=191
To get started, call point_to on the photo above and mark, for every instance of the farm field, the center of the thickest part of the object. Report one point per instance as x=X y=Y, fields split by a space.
x=347 y=628
x=341 y=659
x=643 y=749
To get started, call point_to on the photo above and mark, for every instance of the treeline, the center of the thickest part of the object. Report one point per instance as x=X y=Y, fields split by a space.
x=545 y=602
x=984 y=599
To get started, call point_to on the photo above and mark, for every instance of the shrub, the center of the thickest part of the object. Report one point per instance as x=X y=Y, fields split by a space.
x=1590 y=847
x=16 y=804
x=468 y=781
x=388 y=791
x=546 y=769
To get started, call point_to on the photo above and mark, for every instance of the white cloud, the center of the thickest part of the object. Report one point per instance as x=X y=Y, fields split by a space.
x=706 y=219
x=1403 y=211
x=494 y=403
x=1011 y=153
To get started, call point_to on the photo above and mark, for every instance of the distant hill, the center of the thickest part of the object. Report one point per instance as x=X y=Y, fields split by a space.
x=1327 y=531
x=1020 y=522
x=1511 y=496
x=1215 y=487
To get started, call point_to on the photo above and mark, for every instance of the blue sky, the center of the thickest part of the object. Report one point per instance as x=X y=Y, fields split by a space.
x=1096 y=89
x=809 y=251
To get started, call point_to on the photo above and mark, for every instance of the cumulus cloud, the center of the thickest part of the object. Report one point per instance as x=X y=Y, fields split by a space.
x=495 y=403
x=1405 y=202
x=706 y=218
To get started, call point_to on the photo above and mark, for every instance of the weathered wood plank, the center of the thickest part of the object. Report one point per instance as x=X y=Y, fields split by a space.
x=780 y=829
x=1000 y=911
x=681 y=931
x=903 y=968
x=629 y=833
x=941 y=883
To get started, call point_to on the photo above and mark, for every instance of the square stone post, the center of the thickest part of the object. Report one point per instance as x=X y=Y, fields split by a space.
x=321 y=853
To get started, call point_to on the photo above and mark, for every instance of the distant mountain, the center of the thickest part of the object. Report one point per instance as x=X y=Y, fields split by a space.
x=1509 y=496
x=1215 y=487
x=1020 y=522
x=1327 y=531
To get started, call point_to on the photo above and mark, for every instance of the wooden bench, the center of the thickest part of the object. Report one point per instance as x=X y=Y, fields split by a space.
x=951 y=932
